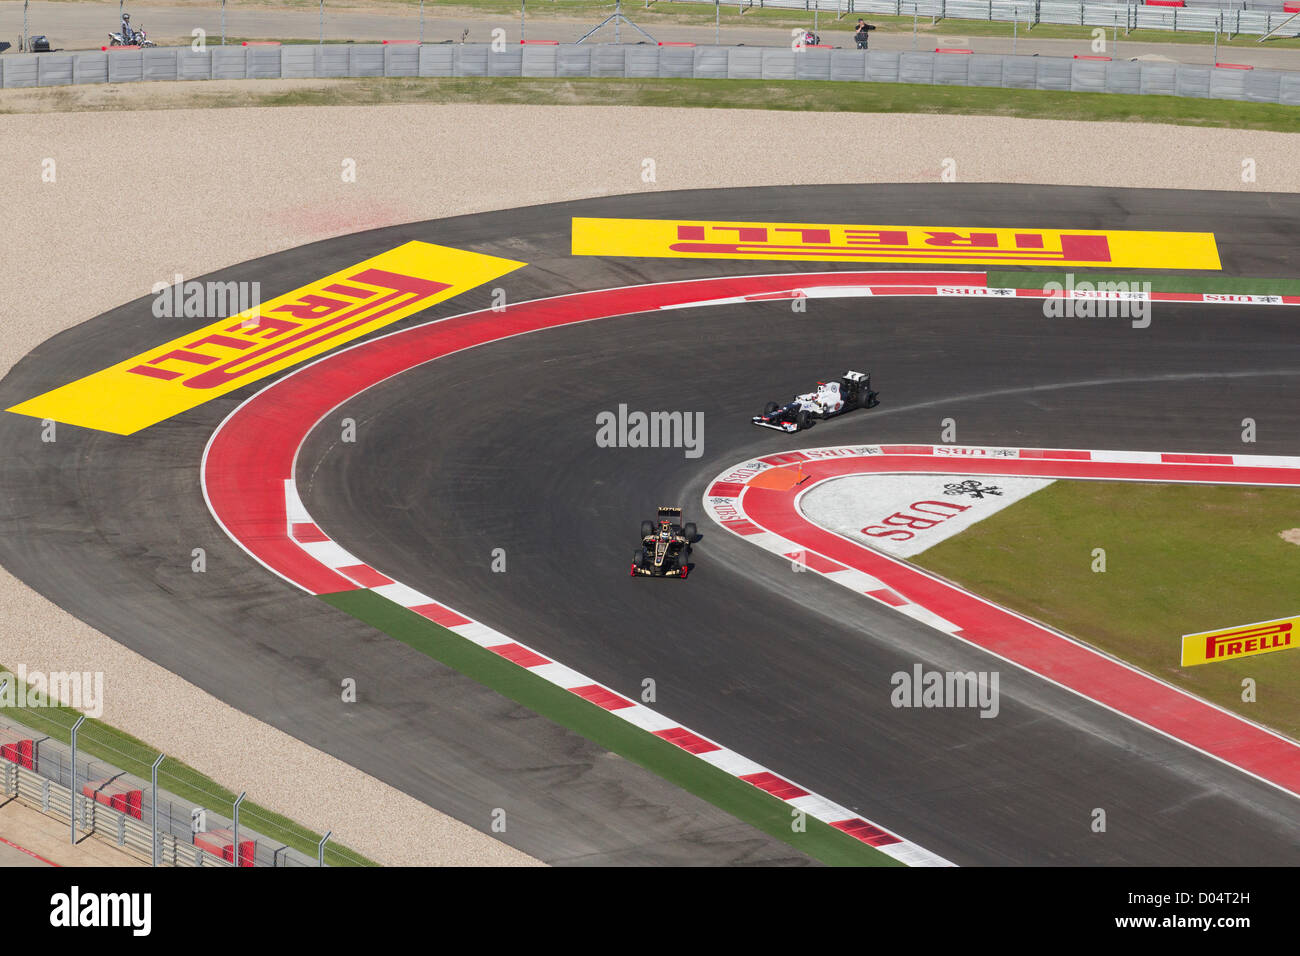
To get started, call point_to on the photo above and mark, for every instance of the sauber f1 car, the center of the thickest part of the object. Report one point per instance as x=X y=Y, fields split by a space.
x=853 y=390
x=665 y=546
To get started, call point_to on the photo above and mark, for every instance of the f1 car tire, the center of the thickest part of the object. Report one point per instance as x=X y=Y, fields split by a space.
x=647 y=528
x=802 y=419
x=689 y=531
x=770 y=407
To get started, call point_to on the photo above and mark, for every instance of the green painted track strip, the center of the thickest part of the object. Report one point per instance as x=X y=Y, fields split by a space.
x=742 y=800
x=1235 y=285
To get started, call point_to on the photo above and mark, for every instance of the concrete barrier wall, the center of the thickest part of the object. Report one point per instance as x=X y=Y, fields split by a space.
x=1256 y=17
x=636 y=60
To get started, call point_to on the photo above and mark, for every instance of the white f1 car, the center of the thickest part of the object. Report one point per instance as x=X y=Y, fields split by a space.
x=852 y=390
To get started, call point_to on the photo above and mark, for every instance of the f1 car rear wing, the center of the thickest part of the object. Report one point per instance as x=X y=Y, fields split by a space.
x=665 y=512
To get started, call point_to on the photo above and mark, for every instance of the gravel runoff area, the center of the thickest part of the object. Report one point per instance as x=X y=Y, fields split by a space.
x=139 y=196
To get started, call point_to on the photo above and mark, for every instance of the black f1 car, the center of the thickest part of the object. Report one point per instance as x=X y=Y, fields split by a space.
x=853 y=390
x=665 y=546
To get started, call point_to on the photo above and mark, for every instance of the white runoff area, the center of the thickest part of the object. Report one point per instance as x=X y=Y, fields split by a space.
x=904 y=515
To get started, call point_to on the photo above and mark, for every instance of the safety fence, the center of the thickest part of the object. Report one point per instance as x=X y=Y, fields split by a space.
x=112 y=805
x=644 y=61
x=1206 y=16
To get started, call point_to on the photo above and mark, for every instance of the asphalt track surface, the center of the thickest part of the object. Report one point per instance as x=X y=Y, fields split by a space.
x=494 y=447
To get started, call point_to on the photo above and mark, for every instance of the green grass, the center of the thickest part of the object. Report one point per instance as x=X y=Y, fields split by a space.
x=794 y=95
x=104 y=742
x=744 y=801
x=1237 y=285
x=1180 y=559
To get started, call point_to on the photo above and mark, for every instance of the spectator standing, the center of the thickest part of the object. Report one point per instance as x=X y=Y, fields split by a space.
x=860 y=33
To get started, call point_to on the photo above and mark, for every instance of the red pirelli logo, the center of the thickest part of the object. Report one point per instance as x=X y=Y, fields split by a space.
x=1262 y=638
x=830 y=242
x=247 y=346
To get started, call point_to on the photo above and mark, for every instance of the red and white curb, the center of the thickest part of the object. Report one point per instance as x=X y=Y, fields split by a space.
x=248 y=470
x=248 y=483
x=974 y=285
x=319 y=547
x=767 y=515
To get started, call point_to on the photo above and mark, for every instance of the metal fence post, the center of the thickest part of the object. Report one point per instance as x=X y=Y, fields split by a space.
x=72 y=788
x=238 y=801
x=322 y=23
x=154 y=824
x=421 y=22
x=320 y=848
x=223 y=22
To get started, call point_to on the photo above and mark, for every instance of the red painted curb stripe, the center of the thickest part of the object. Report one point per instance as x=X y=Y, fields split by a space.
x=815 y=561
x=777 y=787
x=1047 y=453
x=693 y=743
x=440 y=615
x=887 y=596
x=365 y=575
x=865 y=832
x=1197 y=459
x=251 y=454
x=34 y=856
x=523 y=656
x=601 y=697
x=308 y=533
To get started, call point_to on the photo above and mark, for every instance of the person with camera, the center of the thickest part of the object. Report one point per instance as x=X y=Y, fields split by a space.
x=860 y=33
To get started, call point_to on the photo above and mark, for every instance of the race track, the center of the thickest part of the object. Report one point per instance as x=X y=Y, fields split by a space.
x=493 y=448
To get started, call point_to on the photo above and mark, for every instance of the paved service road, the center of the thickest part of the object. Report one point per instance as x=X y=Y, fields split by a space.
x=85 y=26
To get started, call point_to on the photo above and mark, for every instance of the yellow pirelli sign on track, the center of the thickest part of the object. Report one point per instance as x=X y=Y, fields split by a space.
x=251 y=345
x=1245 y=641
x=947 y=245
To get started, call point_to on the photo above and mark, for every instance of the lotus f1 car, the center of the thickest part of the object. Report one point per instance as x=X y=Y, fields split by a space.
x=853 y=390
x=665 y=546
